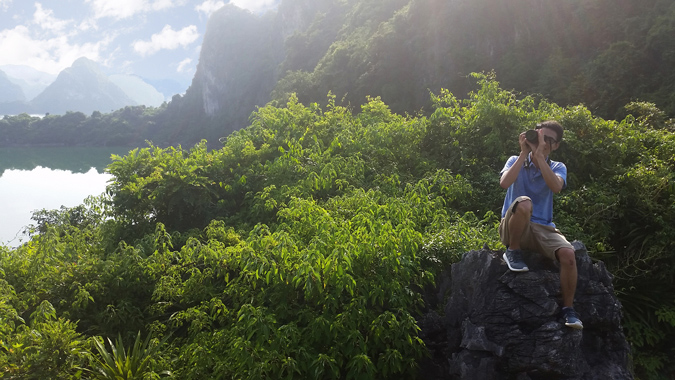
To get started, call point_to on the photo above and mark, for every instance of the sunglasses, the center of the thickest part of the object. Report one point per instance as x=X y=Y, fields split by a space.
x=547 y=139
x=550 y=140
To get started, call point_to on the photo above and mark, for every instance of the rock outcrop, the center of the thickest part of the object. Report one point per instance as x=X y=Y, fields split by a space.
x=499 y=324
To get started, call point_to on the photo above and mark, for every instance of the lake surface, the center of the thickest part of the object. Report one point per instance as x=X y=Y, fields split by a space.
x=47 y=178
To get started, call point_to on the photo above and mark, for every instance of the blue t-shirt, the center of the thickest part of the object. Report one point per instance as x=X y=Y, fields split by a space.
x=530 y=182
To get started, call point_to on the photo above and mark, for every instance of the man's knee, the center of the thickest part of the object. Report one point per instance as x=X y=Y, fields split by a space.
x=523 y=209
x=566 y=257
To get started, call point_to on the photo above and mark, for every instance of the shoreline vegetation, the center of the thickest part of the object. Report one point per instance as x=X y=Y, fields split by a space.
x=302 y=246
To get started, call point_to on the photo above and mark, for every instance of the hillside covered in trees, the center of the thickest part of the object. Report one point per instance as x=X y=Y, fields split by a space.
x=601 y=53
x=301 y=248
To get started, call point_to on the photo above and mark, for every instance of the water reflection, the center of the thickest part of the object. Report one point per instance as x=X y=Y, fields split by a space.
x=74 y=159
x=47 y=178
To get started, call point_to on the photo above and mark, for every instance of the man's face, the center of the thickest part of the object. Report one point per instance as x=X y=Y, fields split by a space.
x=550 y=140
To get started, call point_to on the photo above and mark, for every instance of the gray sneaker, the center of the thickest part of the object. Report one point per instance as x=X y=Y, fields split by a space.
x=571 y=318
x=514 y=259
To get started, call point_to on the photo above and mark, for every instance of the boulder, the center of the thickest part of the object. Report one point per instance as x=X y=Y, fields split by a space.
x=490 y=323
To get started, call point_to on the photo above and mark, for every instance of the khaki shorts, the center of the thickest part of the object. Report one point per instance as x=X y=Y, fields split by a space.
x=540 y=238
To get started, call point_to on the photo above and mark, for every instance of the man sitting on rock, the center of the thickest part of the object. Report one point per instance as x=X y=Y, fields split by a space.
x=531 y=179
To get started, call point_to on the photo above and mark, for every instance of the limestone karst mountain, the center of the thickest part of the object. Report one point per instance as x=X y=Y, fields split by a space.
x=237 y=68
x=82 y=87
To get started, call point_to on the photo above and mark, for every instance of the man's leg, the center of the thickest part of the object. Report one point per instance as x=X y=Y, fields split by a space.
x=568 y=275
x=518 y=222
x=515 y=224
x=568 y=286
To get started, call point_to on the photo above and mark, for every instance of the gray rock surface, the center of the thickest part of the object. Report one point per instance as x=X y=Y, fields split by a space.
x=499 y=324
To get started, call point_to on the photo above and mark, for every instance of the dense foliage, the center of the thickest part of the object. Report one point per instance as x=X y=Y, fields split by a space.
x=602 y=53
x=125 y=127
x=302 y=247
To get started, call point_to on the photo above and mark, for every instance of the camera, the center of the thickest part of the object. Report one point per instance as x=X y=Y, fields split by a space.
x=532 y=136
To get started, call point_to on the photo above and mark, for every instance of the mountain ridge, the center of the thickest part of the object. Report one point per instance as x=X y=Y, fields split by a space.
x=31 y=81
x=400 y=50
x=82 y=87
x=9 y=91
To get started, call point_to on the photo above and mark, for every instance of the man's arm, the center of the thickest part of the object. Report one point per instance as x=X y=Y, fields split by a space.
x=510 y=176
x=553 y=181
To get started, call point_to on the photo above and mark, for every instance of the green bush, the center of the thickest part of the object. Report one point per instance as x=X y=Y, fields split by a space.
x=301 y=248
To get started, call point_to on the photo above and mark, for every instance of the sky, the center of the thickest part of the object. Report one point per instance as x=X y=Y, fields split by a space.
x=154 y=39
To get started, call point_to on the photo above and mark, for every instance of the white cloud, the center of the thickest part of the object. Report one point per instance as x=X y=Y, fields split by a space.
x=118 y=9
x=87 y=24
x=209 y=6
x=256 y=6
x=121 y=9
x=167 y=39
x=183 y=64
x=45 y=19
x=47 y=43
x=50 y=55
x=4 y=4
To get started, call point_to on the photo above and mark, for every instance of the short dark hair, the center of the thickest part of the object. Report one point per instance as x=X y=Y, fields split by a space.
x=554 y=126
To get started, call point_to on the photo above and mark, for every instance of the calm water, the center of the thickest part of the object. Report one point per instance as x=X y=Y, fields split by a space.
x=47 y=178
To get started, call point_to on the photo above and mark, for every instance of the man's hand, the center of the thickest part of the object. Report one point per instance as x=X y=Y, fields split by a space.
x=525 y=147
x=540 y=153
x=541 y=150
x=510 y=175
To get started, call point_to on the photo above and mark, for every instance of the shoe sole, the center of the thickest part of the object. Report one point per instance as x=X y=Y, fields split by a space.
x=525 y=269
x=576 y=326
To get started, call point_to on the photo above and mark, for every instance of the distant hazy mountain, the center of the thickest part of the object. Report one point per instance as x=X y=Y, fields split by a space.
x=9 y=92
x=168 y=87
x=138 y=90
x=32 y=81
x=81 y=87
